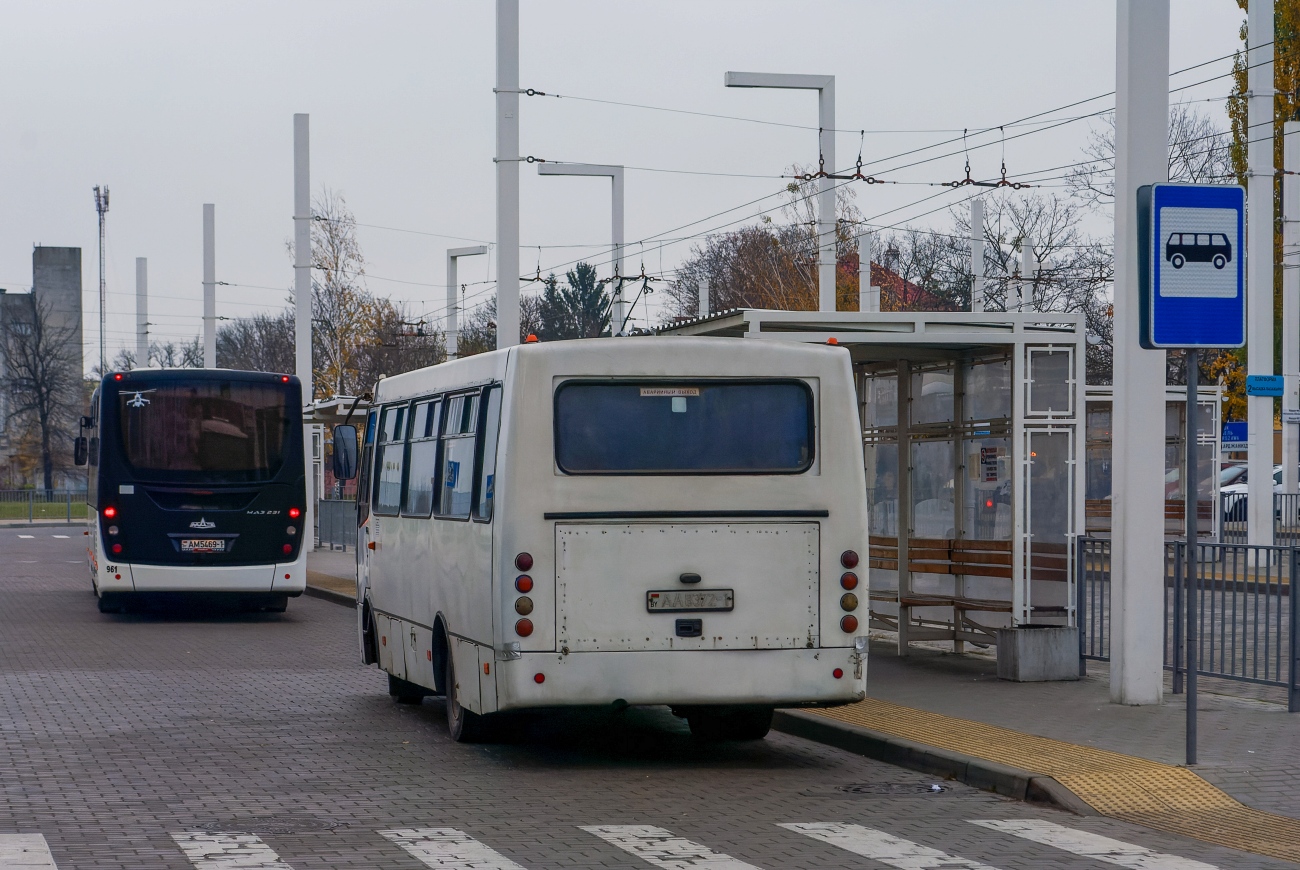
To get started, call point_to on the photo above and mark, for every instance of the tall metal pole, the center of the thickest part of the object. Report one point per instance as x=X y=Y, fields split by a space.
x=453 y=297
x=1291 y=309
x=101 y=207
x=209 y=286
x=868 y=293
x=1189 y=563
x=977 y=255
x=507 y=118
x=1259 y=270
x=1137 y=561
x=702 y=302
x=302 y=303
x=141 y=313
x=826 y=238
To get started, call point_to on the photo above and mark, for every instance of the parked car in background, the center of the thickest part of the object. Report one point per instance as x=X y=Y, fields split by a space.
x=1233 y=495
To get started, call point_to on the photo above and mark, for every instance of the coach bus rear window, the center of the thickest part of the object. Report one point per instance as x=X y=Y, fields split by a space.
x=705 y=427
x=204 y=430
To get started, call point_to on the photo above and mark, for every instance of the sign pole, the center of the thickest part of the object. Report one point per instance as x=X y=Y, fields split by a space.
x=1189 y=563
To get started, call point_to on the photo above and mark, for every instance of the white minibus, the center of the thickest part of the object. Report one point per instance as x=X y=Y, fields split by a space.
x=635 y=521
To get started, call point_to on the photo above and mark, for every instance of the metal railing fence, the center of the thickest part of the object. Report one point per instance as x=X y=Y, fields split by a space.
x=336 y=522
x=42 y=505
x=1247 y=619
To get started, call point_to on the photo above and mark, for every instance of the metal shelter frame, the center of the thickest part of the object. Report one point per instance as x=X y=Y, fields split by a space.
x=988 y=409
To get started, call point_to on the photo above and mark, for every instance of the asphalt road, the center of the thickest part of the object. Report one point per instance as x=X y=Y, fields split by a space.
x=191 y=739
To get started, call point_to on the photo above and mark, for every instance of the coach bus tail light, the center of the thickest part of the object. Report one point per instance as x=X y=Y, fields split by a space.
x=294 y=513
x=110 y=512
x=849 y=624
x=288 y=548
x=112 y=530
x=116 y=548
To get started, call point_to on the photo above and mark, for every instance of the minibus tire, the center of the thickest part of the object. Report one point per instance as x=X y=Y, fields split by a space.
x=404 y=691
x=715 y=726
x=462 y=725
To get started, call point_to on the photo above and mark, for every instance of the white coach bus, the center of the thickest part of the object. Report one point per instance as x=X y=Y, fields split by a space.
x=642 y=521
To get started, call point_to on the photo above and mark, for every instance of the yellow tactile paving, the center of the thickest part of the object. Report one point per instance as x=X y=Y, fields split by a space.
x=1125 y=787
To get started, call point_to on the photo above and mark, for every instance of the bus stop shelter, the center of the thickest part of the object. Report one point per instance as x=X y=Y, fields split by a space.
x=973 y=449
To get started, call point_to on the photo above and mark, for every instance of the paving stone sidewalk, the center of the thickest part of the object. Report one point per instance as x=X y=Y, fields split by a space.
x=1248 y=746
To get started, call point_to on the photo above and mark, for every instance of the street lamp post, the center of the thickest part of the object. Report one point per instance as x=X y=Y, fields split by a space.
x=615 y=174
x=825 y=88
x=453 y=300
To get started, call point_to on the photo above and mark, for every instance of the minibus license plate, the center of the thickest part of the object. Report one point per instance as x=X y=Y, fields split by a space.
x=203 y=545
x=684 y=600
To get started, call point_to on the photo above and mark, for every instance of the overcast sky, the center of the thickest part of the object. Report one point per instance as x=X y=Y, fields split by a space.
x=172 y=105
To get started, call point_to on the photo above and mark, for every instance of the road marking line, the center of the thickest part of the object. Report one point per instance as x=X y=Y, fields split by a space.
x=449 y=848
x=60 y=536
x=885 y=848
x=663 y=849
x=219 y=851
x=1093 y=846
x=28 y=537
x=25 y=852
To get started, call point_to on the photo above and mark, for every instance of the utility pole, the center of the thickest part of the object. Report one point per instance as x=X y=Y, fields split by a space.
x=826 y=238
x=507 y=160
x=868 y=293
x=1291 y=308
x=453 y=298
x=1028 y=271
x=101 y=206
x=302 y=305
x=141 y=313
x=615 y=174
x=977 y=255
x=1259 y=269
x=1137 y=609
x=702 y=303
x=209 y=286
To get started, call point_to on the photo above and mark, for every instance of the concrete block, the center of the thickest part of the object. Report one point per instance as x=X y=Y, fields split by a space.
x=1037 y=653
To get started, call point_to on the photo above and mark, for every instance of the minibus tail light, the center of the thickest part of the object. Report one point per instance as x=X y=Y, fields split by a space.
x=849 y=580
x=524 y=583
x=849 y=558
x=849 y=624
x=524 y=562
x=524 y=627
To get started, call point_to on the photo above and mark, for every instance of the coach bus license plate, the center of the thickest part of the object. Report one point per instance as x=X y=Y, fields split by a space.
x=683 y=600
x=203 y=545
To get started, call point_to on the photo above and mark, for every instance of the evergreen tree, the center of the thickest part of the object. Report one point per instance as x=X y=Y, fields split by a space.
x=579 y=308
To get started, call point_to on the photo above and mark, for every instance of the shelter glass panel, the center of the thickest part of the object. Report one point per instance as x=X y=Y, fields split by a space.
x=932 y=398
x=880 y=400
x=882 y=488
x=988 y=389
x=933 y=511
x=987 y=494
x=1048 y=517
x=1051 y=383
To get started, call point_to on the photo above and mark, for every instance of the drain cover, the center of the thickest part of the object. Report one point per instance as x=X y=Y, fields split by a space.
x=270 y=825
x=892 y=788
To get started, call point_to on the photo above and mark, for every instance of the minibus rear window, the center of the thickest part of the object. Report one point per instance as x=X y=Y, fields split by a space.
x=699 y=427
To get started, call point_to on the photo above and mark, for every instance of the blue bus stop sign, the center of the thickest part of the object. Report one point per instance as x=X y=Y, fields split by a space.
x=1193 y=275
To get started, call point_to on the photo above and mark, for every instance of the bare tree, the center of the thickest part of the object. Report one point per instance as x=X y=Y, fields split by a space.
x=42 y=358
x=1199 y=151
x=261 y=343
x=478 y=334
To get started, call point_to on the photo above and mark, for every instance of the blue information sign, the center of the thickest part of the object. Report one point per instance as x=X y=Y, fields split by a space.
x=1191 y=247
x=1265 y=385
x=1234 y=436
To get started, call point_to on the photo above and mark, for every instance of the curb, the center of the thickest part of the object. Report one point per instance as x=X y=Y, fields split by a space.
x=1011 y=782
x=330 y=595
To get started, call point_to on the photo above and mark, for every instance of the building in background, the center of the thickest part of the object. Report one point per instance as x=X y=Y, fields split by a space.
x=56 y=292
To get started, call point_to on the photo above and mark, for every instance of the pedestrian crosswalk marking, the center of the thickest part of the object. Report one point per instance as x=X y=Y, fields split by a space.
x=448 y=848
x=663 y=849
x=885 y=848
x=221 y=851
x=1092 y=845
x=25 y=852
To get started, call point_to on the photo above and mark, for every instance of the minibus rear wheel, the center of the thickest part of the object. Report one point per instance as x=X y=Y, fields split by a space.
x=463 y=725
x=112 y=602
x=717 y=725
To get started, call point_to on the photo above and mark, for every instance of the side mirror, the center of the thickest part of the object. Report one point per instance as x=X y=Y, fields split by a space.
x=80 y=450
x=345 y=452
x=87 y=422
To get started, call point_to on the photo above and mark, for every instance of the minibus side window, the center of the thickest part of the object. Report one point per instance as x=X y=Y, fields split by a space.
x=367 y=453
x=457 y=490
x=486 y=490
x=388 y=461
x=422 y=460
